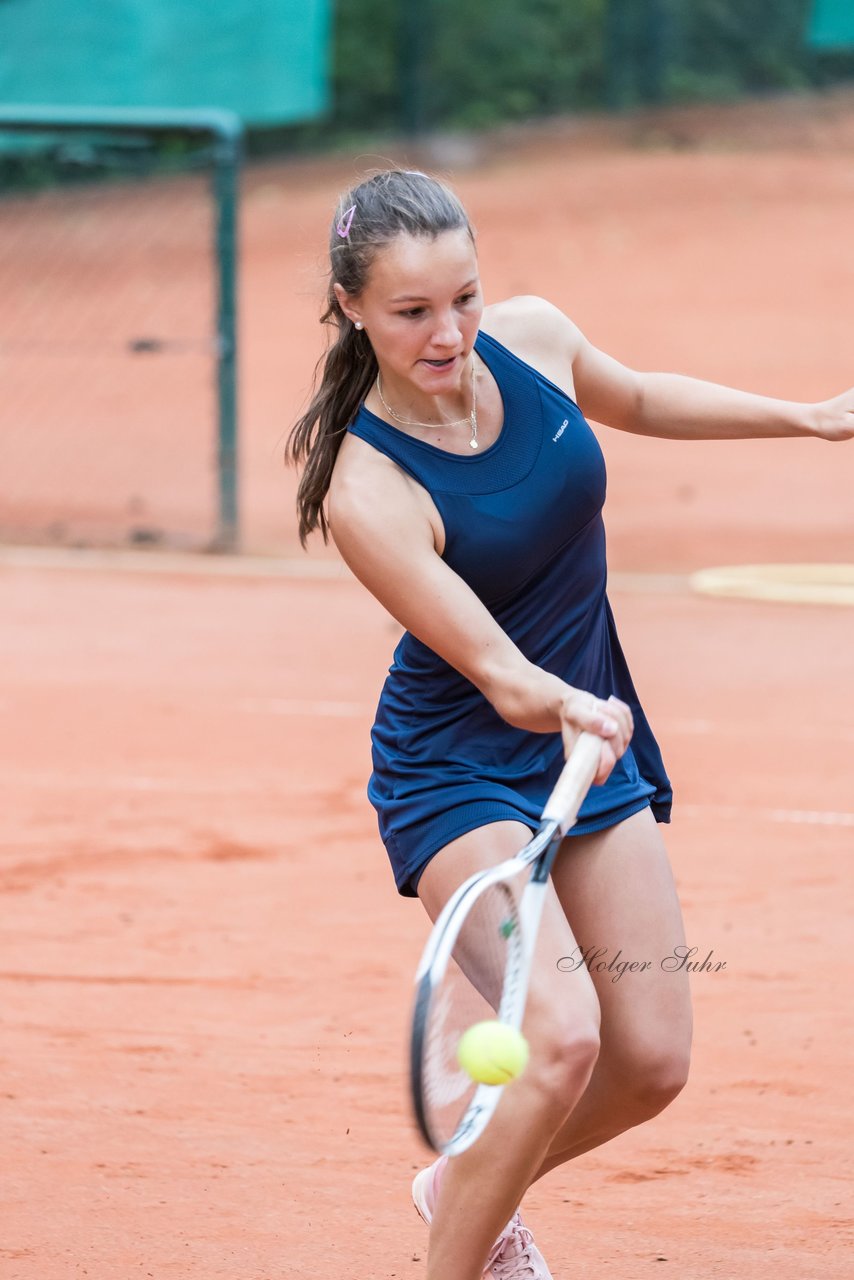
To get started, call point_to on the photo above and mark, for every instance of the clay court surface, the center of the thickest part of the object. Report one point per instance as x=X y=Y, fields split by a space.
x=206 y=970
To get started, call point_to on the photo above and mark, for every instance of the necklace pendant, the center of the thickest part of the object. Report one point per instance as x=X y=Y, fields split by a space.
x=473 y=444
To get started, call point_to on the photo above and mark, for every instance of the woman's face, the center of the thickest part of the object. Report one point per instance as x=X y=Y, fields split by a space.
x=421 y=309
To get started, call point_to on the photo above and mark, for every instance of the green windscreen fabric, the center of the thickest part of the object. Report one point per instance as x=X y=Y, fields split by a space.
x=267 y=60
x=832 y=24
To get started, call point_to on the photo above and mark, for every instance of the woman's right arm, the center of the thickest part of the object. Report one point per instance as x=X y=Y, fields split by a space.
x=382 y=527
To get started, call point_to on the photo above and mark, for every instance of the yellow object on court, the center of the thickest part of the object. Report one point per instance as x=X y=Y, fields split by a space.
x=493 y=1052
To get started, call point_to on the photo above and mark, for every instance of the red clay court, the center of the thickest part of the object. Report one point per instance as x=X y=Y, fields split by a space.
x=206 y=971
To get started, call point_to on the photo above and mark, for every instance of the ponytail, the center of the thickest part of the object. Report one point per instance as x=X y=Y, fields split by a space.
x=349 y=368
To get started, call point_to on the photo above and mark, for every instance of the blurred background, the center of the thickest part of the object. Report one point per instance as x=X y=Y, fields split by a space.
x=439 y=64
x=158 y=329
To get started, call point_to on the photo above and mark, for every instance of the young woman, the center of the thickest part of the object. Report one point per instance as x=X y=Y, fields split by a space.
x=447 y=450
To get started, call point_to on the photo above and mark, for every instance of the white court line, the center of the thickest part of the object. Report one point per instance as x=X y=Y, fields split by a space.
x=308 y=567
x=793 y=817
x=271 y=786
x=703 y=728
x=668 y=584
x=304 y=707
x=817 y=584
x=343 y=709
x=695 y=727
x=182 y=563
x=141 y=782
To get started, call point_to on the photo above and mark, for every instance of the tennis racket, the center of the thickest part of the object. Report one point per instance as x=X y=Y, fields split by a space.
x=477 y=964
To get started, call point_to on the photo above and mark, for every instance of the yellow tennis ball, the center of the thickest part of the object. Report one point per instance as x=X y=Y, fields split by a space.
x=492 y=1052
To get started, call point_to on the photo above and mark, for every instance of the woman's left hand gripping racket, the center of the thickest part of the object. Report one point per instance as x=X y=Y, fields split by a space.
x=477 y=965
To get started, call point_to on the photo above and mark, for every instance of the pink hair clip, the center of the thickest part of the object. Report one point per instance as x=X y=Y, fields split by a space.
x=346 y=222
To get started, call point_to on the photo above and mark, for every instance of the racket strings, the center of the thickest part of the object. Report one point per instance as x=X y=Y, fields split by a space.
x=480 y=982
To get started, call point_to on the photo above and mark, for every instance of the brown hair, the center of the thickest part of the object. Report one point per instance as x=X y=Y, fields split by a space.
x=387 y=204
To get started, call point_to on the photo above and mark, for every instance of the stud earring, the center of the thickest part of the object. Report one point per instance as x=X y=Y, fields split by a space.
x=359 y=324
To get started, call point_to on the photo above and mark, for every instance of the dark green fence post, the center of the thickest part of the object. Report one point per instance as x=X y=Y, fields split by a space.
x=620 y=87
x=637 y=51
x=415 y=39
x=655 y=52
x=225 y=178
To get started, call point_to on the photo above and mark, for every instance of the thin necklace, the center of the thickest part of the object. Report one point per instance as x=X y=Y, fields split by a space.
x=470 y=418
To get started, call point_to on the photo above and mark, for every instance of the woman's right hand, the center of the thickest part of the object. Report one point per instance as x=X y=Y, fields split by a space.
x=610 y=718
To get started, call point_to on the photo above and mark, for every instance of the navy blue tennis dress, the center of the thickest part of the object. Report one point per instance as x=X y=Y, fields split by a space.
x=523 y=527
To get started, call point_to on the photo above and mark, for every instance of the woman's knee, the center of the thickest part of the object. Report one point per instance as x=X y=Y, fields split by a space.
x=662 y=1077
x=652 y=1075
x=563 y=1059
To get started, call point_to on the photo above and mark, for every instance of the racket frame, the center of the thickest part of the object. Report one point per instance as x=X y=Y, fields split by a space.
x=539 y=854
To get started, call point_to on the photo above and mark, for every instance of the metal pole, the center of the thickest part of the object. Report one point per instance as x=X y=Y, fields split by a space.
x=415 y=20
x=619 y=55
x=653 y=65
x=225 y=180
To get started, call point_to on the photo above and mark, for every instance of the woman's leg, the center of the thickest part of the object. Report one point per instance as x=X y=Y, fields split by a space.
x=482 y=1187
x=617 y=890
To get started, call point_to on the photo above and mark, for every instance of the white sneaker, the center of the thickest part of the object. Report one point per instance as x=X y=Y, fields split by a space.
x=515 y=1256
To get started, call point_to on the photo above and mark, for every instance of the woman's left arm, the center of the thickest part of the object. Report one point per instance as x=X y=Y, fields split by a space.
x=676 y=407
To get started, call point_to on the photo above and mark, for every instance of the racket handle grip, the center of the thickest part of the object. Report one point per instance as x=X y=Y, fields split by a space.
x=574 y=782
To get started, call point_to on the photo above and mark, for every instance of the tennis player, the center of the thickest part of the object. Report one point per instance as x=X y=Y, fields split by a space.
x=448 y=451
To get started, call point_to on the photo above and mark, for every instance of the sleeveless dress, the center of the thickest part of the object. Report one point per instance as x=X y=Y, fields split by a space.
x=523 y=527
